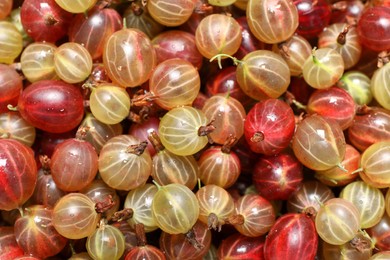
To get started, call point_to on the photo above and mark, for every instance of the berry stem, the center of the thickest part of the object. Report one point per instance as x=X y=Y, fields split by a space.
x=71 y=246
x=357 y=170
x=237 y=219
x=102 y=223
x=12 y=108
x=199 y=184
x=290 y=99
x=313 y=52
x=50 y=20
x=257 y=137
x=156 y=142
x=213 y=222
x=89 y=85
x=367 y=236
x=122 y=215
x=82 y=132
x=342 y=38
x=363 y=110
x=383 y=58
x=142 y=99
x=142 y=115
x=231 y=140
x=103 y=206
x=284 y=50
x=21 y=212
x=207 y=129
x=331 y=180
x=204 y=8
x=299 y=105
x=124 y=23
x=341 y=167
x=137 y=9
x=362 y=241
x=219 y=59
x=310 y=211
x=45 y=162
x=140 y=234
x=191 y=238
x=158 y=185
x=137 y=149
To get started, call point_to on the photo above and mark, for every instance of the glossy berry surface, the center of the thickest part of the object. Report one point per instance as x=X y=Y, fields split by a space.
x=11 y=42
x=318 y=143
x=337 y=176
x=225 y=81
x=375 y=166
x=107 y=242
x=310 y=195
x=129 y=57
x=177 y=44
x=53 y=106
x=228 y=115
x=37 y=61
x=74 y=165
x=323 y=69
x=178 y=247
x=293 y=236
x=72 y=62
x=18 y=173
x=277 y=176
x=15 y=127
x=272 y=21
x=369 y=128
x=238 y=246
x=6 y=6
x=9 y=248
x=10 y=86
x=36 y=234
x=145 y=252
x=218 y=33
x=91 y=31
x=248 y=42
x=175 y=82
x=333 y=103
x=263 y=74
x=76 y=6
x=381 y=233
x=219 y=167
x=44 y=20
x=46 y=191
x=74 y=216
x=269 y=126
x=175 y=208
x=337 y=221
x=180 y=130
x=314 y=16
x=137 y=17
x=258 y=215
x=171 y=13
x=380 y=87
x=121 y=166
x=374 y=28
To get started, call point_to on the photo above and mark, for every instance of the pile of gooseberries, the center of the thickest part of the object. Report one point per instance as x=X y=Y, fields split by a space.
x=194 y=129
